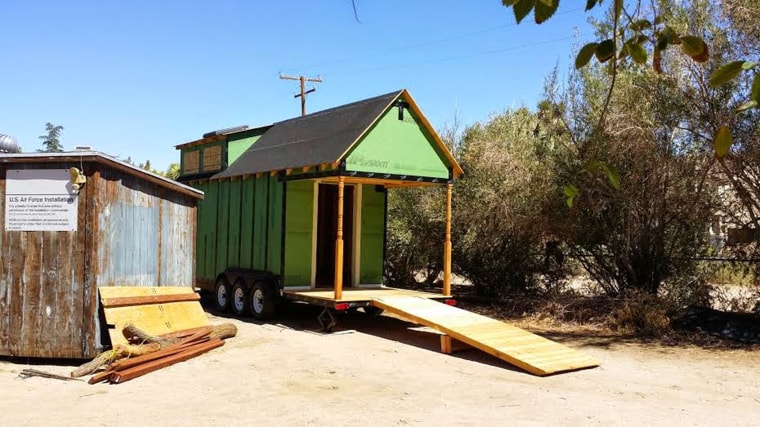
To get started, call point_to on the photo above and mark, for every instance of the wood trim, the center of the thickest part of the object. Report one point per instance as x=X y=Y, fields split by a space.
x=314 y=218
x=357 y=234
x=339 y=243
x=457 y=170
x=148 y=299
x=202 y=141
x=447 y=245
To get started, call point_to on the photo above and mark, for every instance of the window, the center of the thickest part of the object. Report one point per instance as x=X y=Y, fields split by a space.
x=190 y=163
x=212 y=158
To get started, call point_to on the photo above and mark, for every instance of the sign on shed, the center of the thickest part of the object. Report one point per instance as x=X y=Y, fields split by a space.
x=40 y=200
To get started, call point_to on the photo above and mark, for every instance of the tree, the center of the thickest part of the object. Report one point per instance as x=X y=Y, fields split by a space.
x=173 y=171
x=636 y=32
x=51 y=142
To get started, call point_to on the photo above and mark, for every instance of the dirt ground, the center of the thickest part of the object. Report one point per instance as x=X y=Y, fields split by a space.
x=385 y=371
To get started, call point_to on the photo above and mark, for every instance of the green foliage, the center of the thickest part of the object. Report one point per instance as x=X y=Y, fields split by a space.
x=173 y=171
x=654 y=29
x=585 y=55
x=415 y=236
x=727 y=72
x=723 y=141
x=51 y=141
x=501 y=222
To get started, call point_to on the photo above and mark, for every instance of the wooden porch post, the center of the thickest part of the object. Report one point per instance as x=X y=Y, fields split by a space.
x=339 y=243
x=447 y=245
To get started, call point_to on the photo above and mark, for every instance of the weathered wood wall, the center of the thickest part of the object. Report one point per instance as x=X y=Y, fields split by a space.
x=45 y=302
x=130 y=232
x=145 y=235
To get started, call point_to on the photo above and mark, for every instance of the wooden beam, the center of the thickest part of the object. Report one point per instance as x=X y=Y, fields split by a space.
x=272 y=173
x=447 y=245
x=259 y=174
x=339 y=243
x=288 y=171
x=148 y=299
x=306 y=169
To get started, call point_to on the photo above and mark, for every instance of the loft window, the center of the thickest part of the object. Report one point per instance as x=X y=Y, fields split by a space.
x=190 y=163
x=212 y=158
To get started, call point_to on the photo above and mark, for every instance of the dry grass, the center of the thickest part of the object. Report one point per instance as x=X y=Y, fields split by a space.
x=599 y=318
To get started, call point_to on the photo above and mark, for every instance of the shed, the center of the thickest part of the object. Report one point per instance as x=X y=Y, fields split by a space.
x=74 y=222
x=305 y=199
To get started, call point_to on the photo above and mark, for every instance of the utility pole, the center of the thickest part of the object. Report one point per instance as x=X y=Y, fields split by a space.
x=303 y=93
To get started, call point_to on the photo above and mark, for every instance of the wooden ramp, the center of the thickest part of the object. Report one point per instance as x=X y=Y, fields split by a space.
x=528 y=351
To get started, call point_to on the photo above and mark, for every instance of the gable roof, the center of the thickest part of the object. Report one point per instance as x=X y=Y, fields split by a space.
x=324 y=137
x=317 y=138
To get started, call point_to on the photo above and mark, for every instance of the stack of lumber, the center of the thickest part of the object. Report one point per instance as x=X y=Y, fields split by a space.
x=153 y=353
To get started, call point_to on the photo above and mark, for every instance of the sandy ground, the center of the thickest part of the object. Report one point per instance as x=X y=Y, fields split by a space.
x=385 y=371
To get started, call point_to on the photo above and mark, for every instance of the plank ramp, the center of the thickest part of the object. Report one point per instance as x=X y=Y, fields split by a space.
x=155 y=310
x=530 y=352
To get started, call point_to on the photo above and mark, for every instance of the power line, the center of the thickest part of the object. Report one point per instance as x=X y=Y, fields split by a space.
x=454 y=58
x=426 y=43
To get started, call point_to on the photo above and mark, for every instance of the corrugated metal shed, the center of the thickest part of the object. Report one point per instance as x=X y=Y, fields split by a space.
x=131 y=227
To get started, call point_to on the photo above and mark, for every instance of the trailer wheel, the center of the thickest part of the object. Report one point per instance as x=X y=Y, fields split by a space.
x=239 y=299
x=372 y=310
x=263 y=301
x=222 y=292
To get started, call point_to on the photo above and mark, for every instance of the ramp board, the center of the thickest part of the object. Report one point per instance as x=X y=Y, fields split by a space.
x=530 y=352
x=155 y=310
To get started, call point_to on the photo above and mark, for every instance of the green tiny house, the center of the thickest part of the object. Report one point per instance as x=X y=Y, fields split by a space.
x=289 y=205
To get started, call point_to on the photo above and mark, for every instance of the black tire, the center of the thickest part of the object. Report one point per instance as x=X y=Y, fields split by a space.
x=263 y=301
x=222 y=293
x=240 y=300
x=372 y=310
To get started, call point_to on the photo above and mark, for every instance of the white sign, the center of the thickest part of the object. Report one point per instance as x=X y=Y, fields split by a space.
x=40 y=200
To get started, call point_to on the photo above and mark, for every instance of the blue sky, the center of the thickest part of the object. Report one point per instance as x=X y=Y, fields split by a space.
x=136 y=78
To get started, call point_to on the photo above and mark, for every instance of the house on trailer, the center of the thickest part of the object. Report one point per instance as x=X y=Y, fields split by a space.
x=298 y=209
x=75 y=222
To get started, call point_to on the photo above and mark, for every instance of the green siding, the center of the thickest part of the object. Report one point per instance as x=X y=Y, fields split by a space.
x=299 y=210
x=274 y=235
x=246 y=223
x=236 y=148
x=372 y=232
x=239 y=225
x=222 y=225
x=399 y=147
x=260 y=224
x=235 y=214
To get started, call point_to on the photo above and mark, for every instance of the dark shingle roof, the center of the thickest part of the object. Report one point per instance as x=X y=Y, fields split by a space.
x=313 y=139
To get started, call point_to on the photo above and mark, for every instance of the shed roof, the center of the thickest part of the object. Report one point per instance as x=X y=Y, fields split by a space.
x=96 y=156
x=322 y=137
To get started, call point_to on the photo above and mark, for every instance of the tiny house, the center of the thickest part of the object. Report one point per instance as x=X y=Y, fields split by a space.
x=298 y=209
x=76 y=221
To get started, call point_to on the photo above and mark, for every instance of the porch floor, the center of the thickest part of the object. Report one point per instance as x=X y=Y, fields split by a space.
x=356 y=295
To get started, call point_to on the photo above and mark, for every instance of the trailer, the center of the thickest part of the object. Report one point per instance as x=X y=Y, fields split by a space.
x=297 y=211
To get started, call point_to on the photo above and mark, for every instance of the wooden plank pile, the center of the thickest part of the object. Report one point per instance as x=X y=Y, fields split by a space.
x=153 y=353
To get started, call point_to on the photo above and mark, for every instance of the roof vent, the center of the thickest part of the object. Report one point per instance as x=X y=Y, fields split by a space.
x=226 y=131
x=82 y=148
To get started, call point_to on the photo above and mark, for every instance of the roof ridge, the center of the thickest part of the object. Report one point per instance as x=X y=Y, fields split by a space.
x=342 y=107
